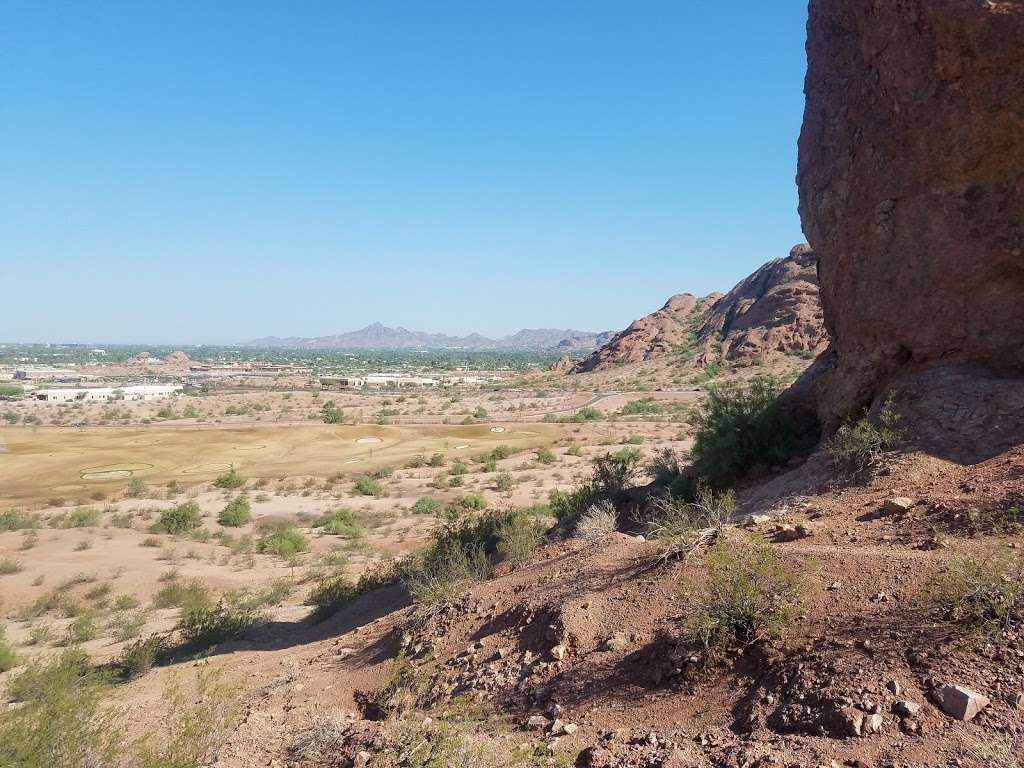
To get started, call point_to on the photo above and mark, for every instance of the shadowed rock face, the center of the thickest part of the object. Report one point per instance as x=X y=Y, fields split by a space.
x=911 y=178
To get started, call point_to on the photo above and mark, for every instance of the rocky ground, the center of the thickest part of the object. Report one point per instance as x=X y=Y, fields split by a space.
x=578 y=653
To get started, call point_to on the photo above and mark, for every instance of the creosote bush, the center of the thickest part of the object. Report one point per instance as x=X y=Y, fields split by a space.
x=858 y=446
x=236 y=513
x=744 y=595
x=983 y=593
x=229 y=481
x=283 y=542
x=427 y=505
x=341 y=522
x=368 y=486
x=181 y=518
x=741 y=426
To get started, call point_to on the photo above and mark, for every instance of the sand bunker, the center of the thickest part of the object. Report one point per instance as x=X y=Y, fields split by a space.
x=202 y=469
x=369 y=440
x=110 y=474
x=112 y=471
x=497 y=429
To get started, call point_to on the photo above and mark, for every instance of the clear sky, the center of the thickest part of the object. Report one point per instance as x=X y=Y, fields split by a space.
x=217 y=171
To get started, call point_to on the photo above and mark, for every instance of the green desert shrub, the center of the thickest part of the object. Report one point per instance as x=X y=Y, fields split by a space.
x=519 y=538
x=984 y=593
x=62 y=720
x=236 y=513
x=332 y=414
x=504 y=482
x=501 y=452
x=331 y=594
x=180 y=518
x=182 y=594
x=744 y=595
x=230 y=480
x=566 y=506
x=367 y=486
x=284 y=542
x=126 y=625
x=427 y=505
x=206 y=626
x=17 y=520
x=82 y=517
x=8 y=658
x=473 y=501
x=9 y=565
x=615 y=472
x=858 y=446
x=139 y=656
x=341 y=522
x=741 y=425
x=546 y=456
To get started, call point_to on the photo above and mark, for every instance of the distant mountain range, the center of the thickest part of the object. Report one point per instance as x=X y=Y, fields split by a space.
x=378 y=336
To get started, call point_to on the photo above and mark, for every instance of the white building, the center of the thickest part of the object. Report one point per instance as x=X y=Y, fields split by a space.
x=106 y=394
x=398 y=380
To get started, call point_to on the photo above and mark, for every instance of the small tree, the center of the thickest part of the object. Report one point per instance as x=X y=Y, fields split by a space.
x=180 y=518
x=238 y=512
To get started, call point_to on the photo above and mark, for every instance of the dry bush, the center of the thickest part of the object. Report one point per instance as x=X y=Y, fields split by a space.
x=324 y=735
x=599 y=521
x=984 y=594
x=682 y=527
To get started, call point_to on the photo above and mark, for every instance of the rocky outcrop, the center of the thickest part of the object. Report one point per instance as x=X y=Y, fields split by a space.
x=562 y=365
x=911 y=179
x=773 y=311
x=672 y=328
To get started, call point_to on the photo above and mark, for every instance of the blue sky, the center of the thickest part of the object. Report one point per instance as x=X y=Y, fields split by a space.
x=211 y=172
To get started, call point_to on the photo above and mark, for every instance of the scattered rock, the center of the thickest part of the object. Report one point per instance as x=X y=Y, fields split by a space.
x=906 y=708
x=558 y=652
x=897 y=505
x=537 y=723
x=794 y=532
x=959 y=702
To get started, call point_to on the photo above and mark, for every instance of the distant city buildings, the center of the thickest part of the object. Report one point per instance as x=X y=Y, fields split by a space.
x=106 y=394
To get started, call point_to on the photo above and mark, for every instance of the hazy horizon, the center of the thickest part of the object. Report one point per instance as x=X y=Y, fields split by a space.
x=214 y=174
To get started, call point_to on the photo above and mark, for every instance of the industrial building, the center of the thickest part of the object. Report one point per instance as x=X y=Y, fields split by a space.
x=106 y=394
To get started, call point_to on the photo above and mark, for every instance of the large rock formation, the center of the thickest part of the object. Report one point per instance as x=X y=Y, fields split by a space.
x=773 y=311
x=911 y=178
x=659 y=334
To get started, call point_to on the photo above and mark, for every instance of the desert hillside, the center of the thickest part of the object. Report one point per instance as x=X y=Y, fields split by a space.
x=606 y=564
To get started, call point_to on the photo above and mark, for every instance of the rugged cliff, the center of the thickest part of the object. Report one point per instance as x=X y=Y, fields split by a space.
x=911 y=178
x=773 y=311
